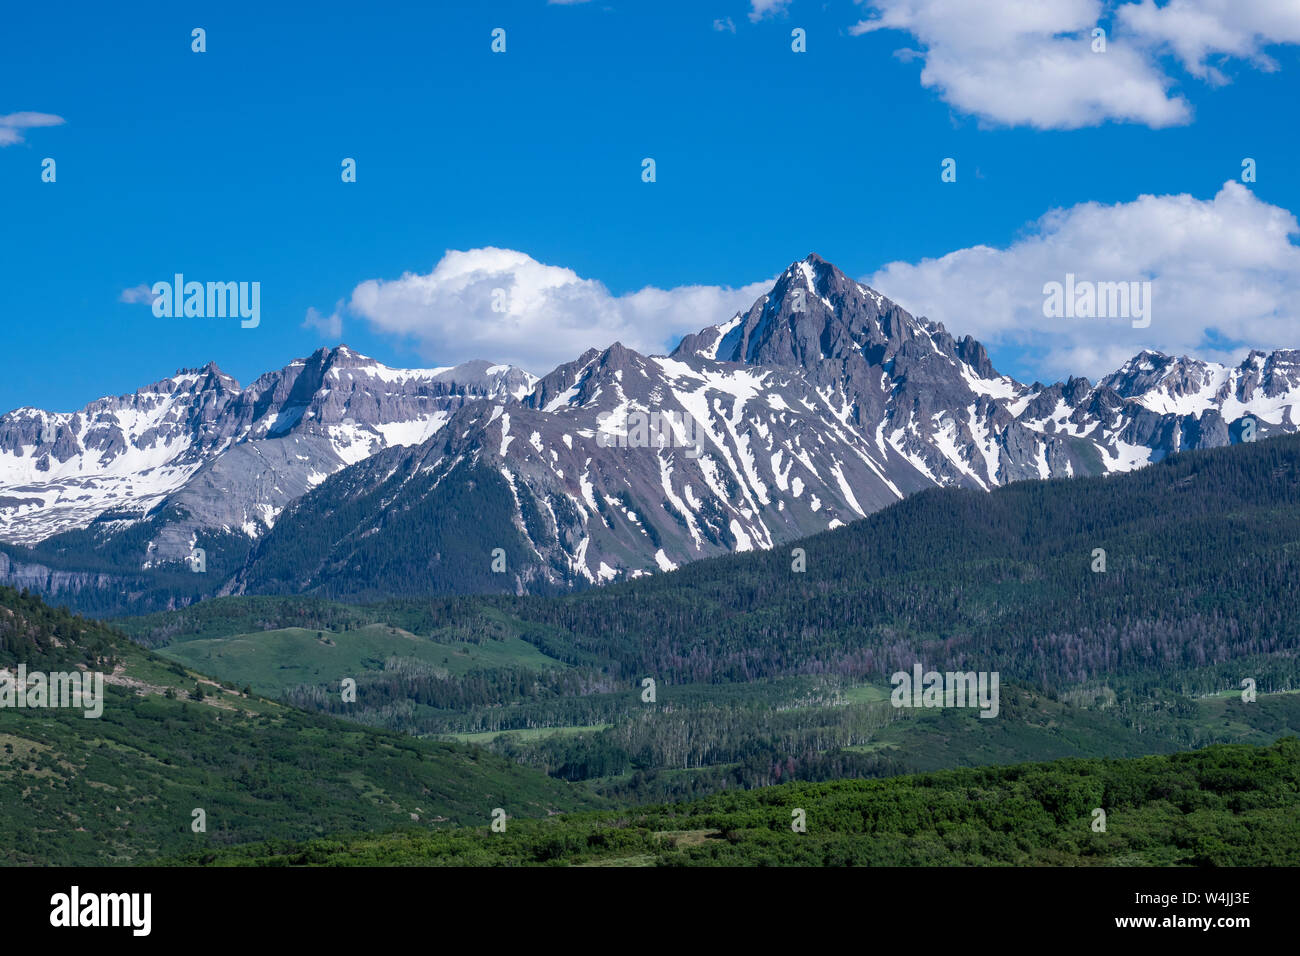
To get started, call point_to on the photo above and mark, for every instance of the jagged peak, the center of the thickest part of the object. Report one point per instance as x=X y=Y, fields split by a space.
x=813 y=312
x=210 y=369
x=341 y=356
x=1146 y=356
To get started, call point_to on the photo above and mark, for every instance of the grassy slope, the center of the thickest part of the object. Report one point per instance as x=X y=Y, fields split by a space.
x=122 y=788
x=270 y=661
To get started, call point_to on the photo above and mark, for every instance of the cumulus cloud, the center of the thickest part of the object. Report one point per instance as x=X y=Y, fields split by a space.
x=141 y=294
x=12 y=125
x=1195 y=30
x=1032 y=62
x=1225 y=275
x=504 y=305
x=725 y=25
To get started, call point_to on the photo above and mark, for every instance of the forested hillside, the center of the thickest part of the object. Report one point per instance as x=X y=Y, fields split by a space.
x=765 y=673
x=1202 y=568
x=1201 y=587
x=123 y=787
x=1222 y=806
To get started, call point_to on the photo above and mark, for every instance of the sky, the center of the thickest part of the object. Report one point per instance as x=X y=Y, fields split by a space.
x=500 y=207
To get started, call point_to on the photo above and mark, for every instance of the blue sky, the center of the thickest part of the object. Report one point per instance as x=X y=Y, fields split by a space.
x=225 y=166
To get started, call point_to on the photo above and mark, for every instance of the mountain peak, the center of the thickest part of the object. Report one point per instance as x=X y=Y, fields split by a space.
x=341 y=356
x=210 y=369
x=815 y=274
x=813 y=313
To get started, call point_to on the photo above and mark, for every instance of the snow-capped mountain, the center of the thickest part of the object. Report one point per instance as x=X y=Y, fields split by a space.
x=218 y=456
x=822 y=403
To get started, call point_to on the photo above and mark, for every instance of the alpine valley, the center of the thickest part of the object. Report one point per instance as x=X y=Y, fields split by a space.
x=339 y=477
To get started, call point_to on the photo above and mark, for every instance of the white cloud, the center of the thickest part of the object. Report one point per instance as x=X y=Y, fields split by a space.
x=766 y=8
x=551 y=314
x=1224 y=270
x=12 y=125
x=141 y=294
x=725 y=25
x=1031 y=62
x=329 y=327
x=1194 y=30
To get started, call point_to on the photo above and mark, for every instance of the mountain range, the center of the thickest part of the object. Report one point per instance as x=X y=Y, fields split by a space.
x=821 y=404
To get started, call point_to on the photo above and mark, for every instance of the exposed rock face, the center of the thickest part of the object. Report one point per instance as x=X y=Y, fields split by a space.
x=820 y=404
x=218 y=456
x=37 y=577
x=823 y=402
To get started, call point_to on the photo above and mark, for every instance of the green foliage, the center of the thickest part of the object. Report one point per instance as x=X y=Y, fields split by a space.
x=1221 y=806
x=757 y=665
x=120 y=788
x=46 y=638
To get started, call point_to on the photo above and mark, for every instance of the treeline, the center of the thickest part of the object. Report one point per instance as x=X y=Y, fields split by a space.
x=687 y=752
x=47 y=638
x=427 y=686
x=222 y=617
x=692 y=738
